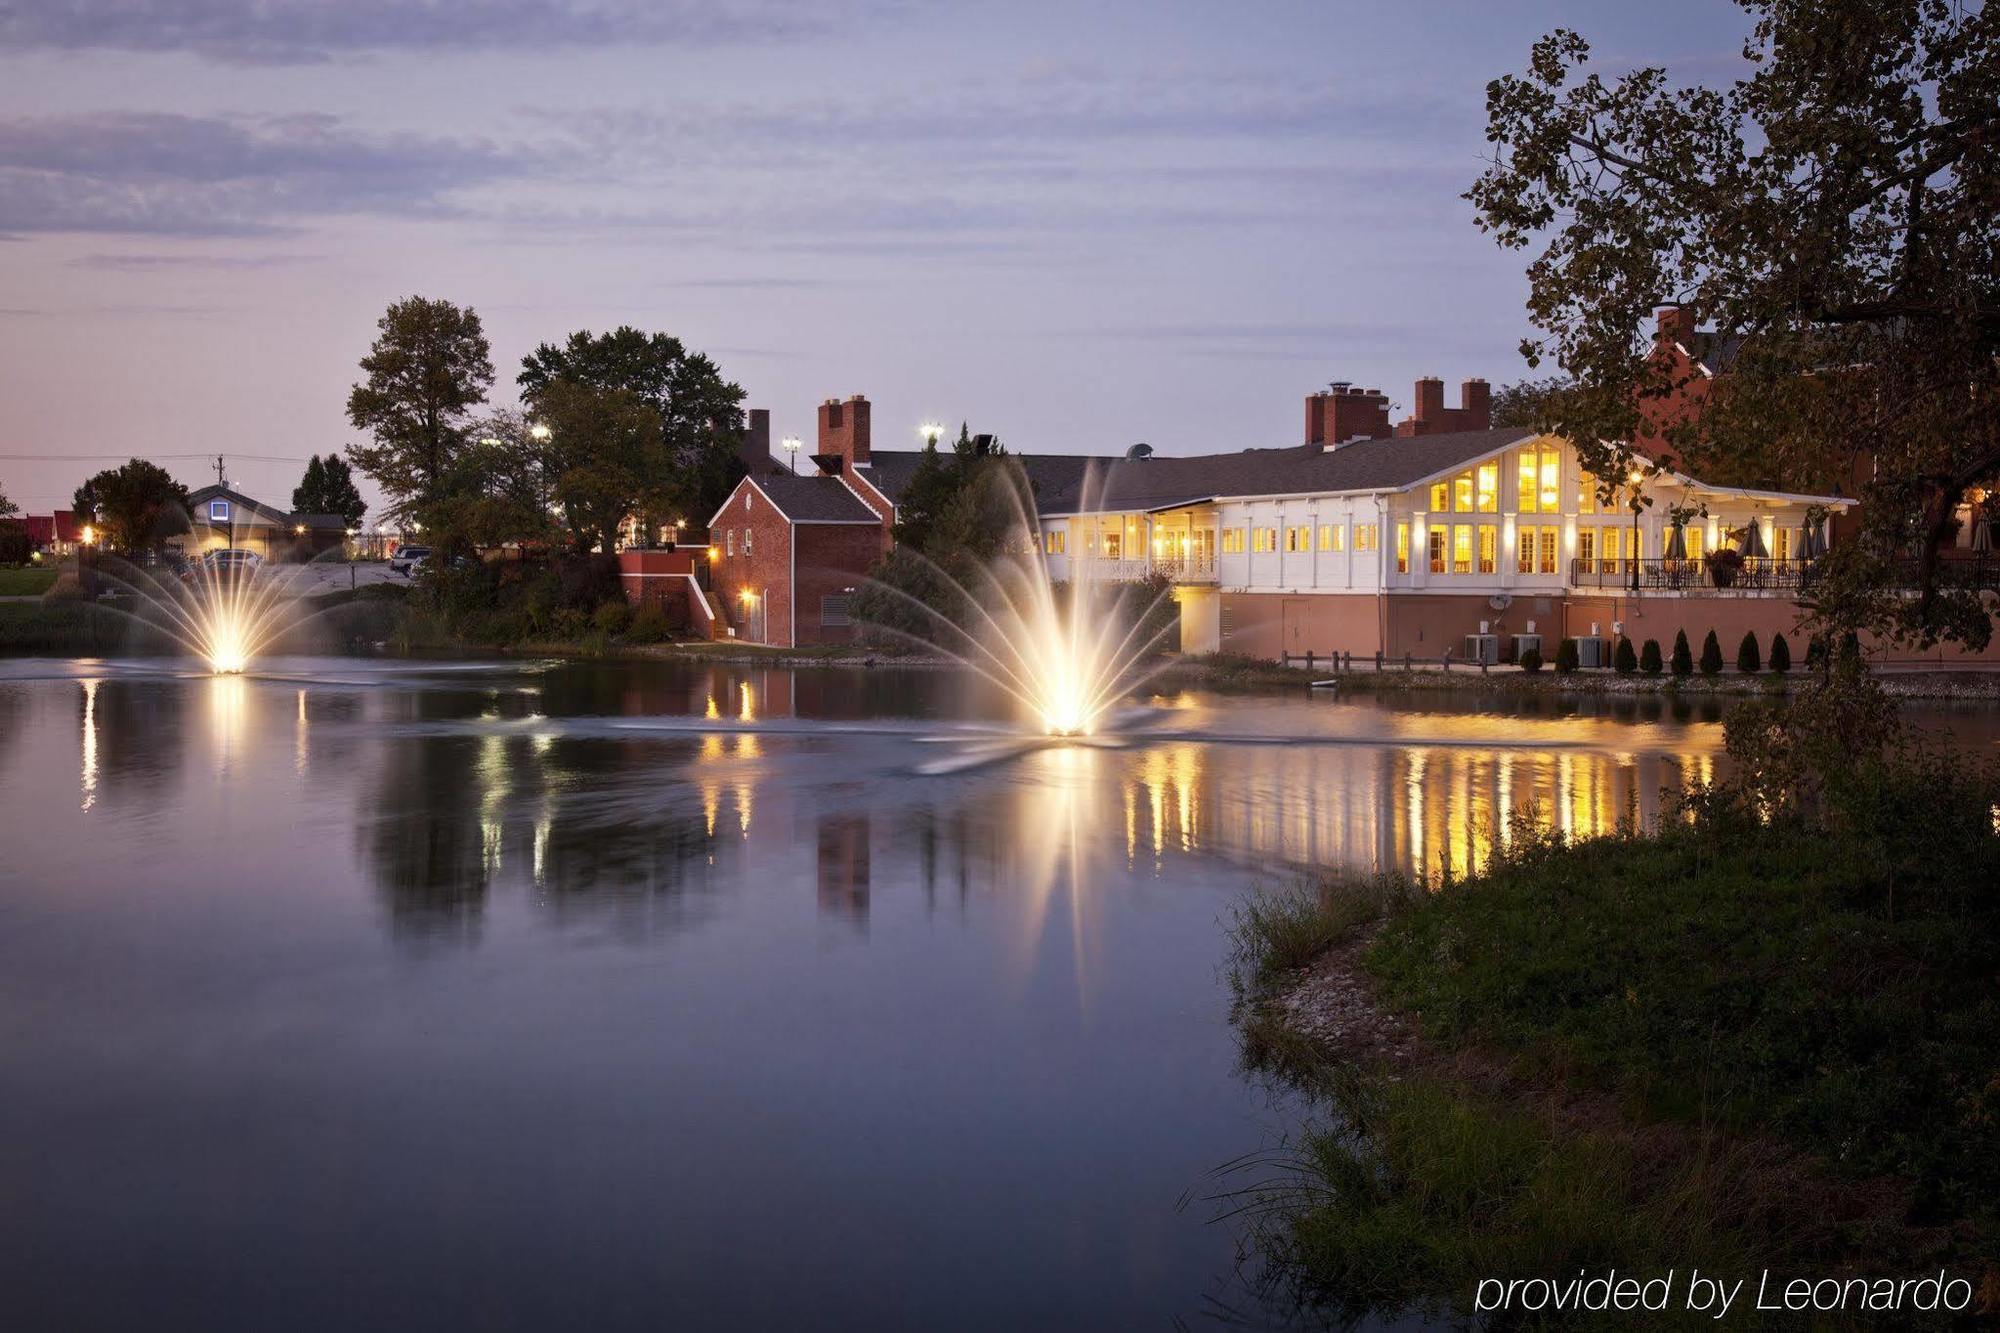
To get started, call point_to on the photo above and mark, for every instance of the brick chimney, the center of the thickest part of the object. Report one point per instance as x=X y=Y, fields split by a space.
x=756 y=451
x=1676 y=324
x=1429 y=400
x=1475 y=405
x=1342 y=413
x=843 y=430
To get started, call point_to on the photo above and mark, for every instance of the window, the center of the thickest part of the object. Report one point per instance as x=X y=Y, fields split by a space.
x=1114 y=544
x=729 y=541
x=1781 y=542
x=1367 y=531
x=1586 y=494
x=833 y=610
x=1551 y=538
x=1487 y=487
x=1299 y=537
x=746 y=540
x=218 y=511
x=1440 y=497
x=1694 y=536
x=1461 y=549
x=1489 y=548
x=1263 y=539
x=1054 y=540
x=1551 y=489
x=1364 y=539
x=1586 y=546
x=1607 y=547
x=1524 y=483
x=1539 y=480
x=1333 y=536
x=1461 y=493
x=1232 y=541
x=1536 y=550
x=746 y=502
x=1437 y=536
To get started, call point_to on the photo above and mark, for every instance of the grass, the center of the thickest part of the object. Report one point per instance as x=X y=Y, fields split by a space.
x=1737 y=1042
x=26 y=581
x=71 y=629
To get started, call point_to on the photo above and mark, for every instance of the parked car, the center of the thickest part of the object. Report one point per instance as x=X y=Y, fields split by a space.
x=406 y=559
x=229 y=560
x=429 y=561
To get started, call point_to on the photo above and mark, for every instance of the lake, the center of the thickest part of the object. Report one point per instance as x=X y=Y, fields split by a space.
x=360 y=994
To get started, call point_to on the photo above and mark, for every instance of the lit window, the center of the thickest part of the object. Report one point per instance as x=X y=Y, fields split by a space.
x=1440 y=497
x=1461 y=549
x=1366 y=532
x=1461 y=493
x=1298 y=538
x=1333 y=536
x=1694 y=537
x=1489 y=548
x=1437 y=536
x=1551 y=496
x=1586 y=494
x=746 y=540
x=1550 y=537
x=1364 y=539
x=1607 y=548
x=1525 y=482
x=1524 y=551
x=1586 y=545
x=218 y=511
x=729 y=541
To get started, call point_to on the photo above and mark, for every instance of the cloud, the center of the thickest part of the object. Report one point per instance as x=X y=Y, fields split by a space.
x=149 y=263
x=311 y=31
x=176 y=175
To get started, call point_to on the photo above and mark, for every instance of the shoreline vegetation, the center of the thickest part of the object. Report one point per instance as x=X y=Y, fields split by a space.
x=1762 y=1035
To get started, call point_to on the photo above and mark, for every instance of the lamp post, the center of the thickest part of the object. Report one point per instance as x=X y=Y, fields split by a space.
x=932 y=433
x=1633 y=480
x=791 y=445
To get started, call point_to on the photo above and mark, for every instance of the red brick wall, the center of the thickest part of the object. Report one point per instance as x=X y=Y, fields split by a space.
x=1432 y=417
x=845 y=428
x=1659 y=617
x=764 y=571
x=833 y=558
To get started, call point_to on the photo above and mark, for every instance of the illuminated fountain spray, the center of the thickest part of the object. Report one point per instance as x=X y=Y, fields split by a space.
x=225 y=615
x=1066 y=653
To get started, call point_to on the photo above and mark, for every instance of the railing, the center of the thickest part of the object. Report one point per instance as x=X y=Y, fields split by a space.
x=1179 y=569
x=1660 y=574
x=1965 y=570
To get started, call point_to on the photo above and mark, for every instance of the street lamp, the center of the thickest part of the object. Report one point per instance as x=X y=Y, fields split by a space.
x=539 y=430
x=791 y=445
x=932 y=432
x=1633 y=479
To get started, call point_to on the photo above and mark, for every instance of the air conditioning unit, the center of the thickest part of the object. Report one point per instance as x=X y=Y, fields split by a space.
x=1523 y=642
x=1482 y=648
x=1593 y=652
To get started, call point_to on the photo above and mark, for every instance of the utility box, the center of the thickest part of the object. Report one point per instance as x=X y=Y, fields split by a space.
x=1523 y=642
x=1593 y=652
x=1482 y=649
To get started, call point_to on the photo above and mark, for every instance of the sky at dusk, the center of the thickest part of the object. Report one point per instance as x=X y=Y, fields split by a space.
x=1076 y=225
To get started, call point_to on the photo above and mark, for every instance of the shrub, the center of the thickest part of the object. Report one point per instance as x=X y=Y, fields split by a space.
x=14 y=544
x=1683 y=660
x=1748 y=659
x=649 y=626
x=1816 y=652
x=1711 y=655
x=1623 y=658
x=1649 y=658
x=1531 y=659
x=588 y=581
x=611 y=618
x=1781 y=655
x=1566 y=656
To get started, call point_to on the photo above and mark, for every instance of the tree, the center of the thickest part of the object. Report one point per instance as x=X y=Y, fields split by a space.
x=1623 y=658
x=1531 y=660
x=134 y=507
x=607 y=458
x=1781 y=655
x=1711 y=655
x=700 y=412
x=501 y=488
x=328 y=488
x=933 y=483
x=1834 y=213
x=1749 y=659
x=428 y=368
x=1649 y=658
x=1530 y=404
x=7 y=509
x=1682 y=662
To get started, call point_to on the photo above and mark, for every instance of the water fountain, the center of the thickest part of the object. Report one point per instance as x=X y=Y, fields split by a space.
x=1065 y=652
x=225 y=615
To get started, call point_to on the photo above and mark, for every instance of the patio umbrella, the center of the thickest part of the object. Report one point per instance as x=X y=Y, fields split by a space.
x=1753 y=540
x=1677 y=543
x=1810 y=545
x=1982 y=534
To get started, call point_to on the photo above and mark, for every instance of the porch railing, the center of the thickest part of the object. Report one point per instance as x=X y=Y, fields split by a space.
x=1180 y=569
x=1660 y=574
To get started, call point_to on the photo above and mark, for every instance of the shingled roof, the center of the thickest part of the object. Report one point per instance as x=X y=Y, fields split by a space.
x=819 y=499
x=1074 y=483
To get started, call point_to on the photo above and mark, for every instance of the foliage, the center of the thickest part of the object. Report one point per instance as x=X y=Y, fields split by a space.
x=1711 y=655
x=7 y=507
x=499 y=490
x=700 y=414
x=1836 y=208
x=428 y=368
x=1531 y=660
x=650 y=625
x=134 y=507
x=1566 y=656
x=328 y=488
x=1530 y=404
x=606 y=458
x=1682 y=662
x=1622 y=657
x=1781 y=655
x=1749 y=660
x=15 y=546
x=1649 y=658
x=611 y=618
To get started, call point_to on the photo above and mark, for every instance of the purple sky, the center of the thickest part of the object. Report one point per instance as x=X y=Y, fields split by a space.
x=1077 y=225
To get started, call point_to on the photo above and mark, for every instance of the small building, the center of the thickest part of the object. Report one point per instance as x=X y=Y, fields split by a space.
x=222 y=517
x=55 y=535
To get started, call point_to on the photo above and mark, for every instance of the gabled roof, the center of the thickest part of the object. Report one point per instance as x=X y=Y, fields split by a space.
x=198 y=506
x=46 y=529
x=804 y=499
x=889 y=471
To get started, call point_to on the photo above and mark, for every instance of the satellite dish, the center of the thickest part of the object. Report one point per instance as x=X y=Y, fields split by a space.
x=1500 y=601
x=1140 y=450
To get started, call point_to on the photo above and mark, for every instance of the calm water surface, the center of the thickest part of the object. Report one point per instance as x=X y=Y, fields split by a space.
x=365 y=995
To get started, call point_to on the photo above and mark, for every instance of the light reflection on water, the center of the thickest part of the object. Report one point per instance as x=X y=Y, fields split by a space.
x=404 y=968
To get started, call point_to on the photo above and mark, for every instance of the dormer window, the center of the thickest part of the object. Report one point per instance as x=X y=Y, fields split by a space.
x=218 y=511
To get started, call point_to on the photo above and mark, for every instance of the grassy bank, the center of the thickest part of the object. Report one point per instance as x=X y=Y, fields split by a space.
x=26 y=581
x=1730 y=1042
